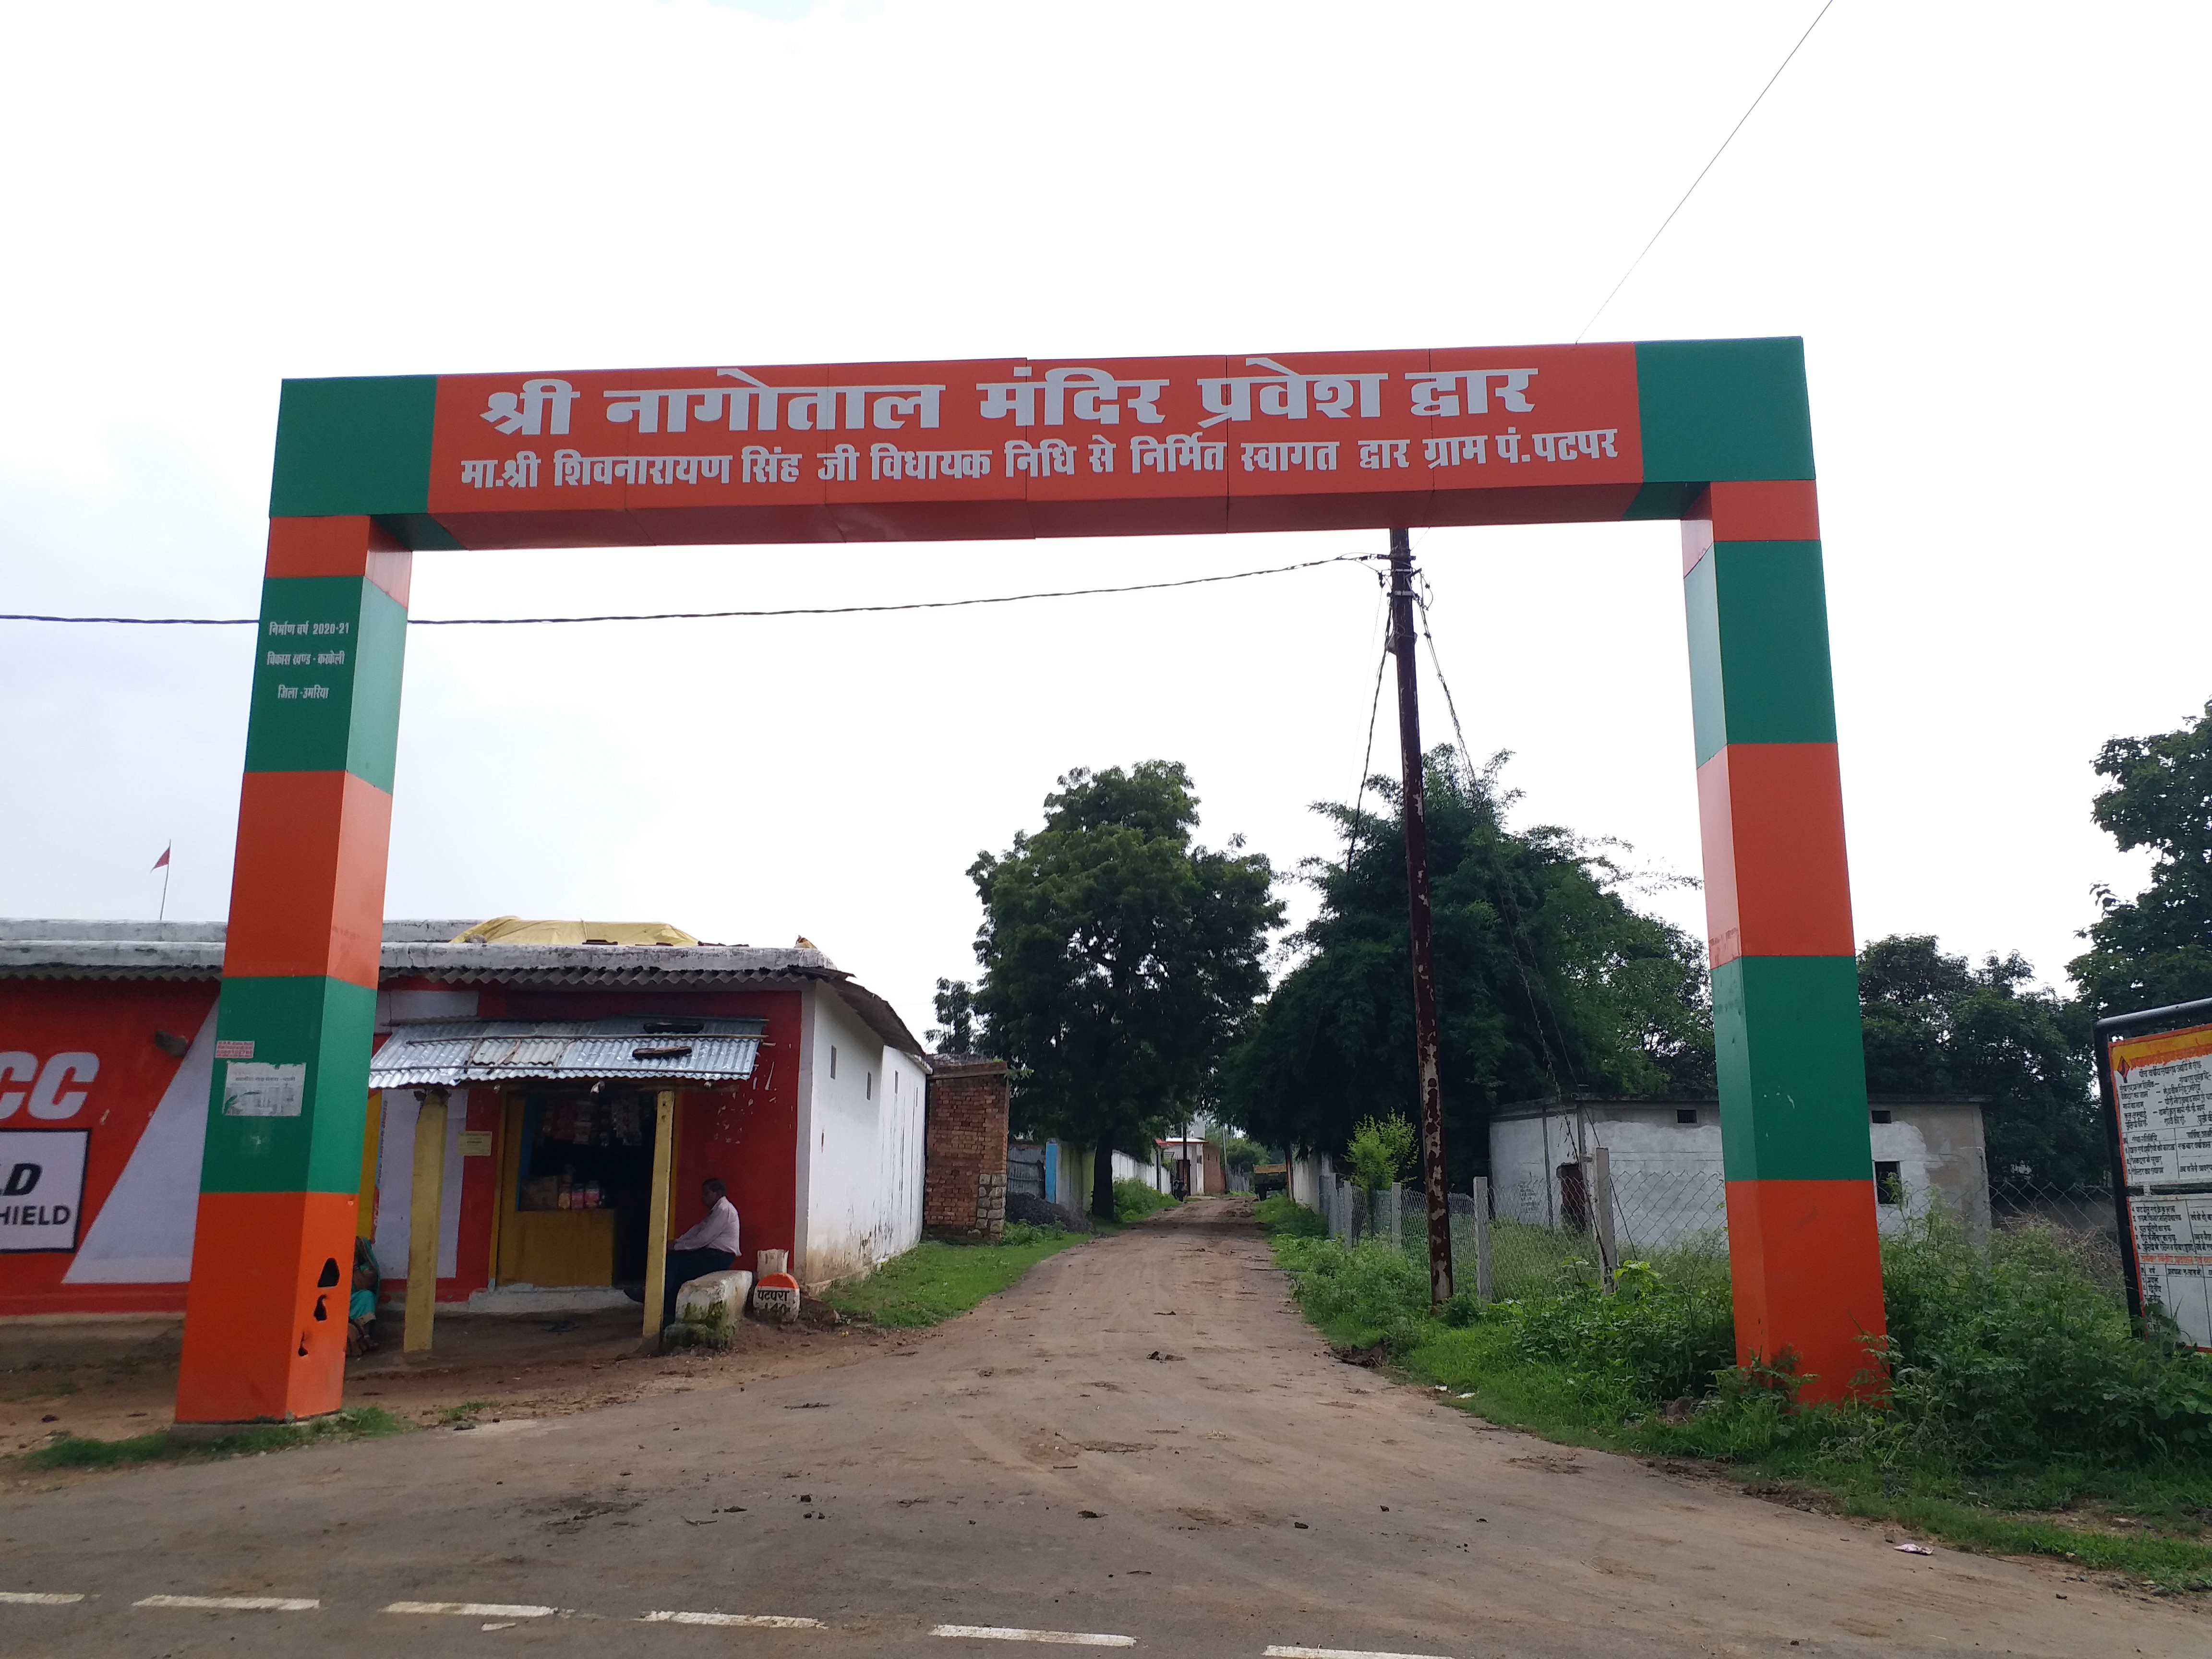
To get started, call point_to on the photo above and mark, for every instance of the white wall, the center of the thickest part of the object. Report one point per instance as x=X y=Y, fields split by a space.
x=395 y=1183
x=860 y=1144
x=897 y=1225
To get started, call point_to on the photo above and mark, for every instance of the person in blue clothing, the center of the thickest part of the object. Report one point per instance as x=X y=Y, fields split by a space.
x=361 y=1304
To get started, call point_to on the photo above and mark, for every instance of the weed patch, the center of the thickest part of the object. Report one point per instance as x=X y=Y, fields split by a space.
x=2023 y=1415
x=1133 y=1201
x=85 y=1452
x=937 y=1279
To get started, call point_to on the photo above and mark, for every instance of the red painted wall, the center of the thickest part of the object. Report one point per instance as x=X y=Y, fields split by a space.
x=747 y=1134
x=116 y=1021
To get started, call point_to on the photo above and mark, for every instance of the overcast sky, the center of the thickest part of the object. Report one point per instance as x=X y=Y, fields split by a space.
x=1985 y=220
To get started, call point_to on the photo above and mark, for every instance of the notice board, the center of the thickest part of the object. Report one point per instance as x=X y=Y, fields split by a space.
x=2163 y=1084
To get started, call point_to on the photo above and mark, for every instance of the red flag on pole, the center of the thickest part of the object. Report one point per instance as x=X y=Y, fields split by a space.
x=161 y=862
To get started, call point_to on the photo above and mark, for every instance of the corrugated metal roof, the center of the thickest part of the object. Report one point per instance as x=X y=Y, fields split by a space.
x=421 y=949
x=448 y=1053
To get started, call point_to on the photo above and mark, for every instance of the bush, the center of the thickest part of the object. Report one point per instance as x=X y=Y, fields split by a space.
x=1026 y=1232
x=1284 y=1216
x=1134 y=1199
x=2008 y=1351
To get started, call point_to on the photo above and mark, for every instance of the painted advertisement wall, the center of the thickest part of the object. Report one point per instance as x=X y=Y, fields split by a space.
x=103 y=1109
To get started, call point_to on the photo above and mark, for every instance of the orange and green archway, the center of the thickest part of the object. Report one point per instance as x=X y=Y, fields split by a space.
x=1716 y=434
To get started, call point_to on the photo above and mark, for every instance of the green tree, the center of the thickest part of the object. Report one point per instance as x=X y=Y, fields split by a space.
x=2156 y=948
x=960 y=1027
x=1380 y=1149
x=1119 y=958
x=1546 y=979
x=1936 y=1025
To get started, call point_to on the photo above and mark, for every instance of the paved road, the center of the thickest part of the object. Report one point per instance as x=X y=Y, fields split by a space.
x=1032 y=1467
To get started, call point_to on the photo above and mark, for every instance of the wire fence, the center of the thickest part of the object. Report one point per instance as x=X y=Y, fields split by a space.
x=1511 y=1242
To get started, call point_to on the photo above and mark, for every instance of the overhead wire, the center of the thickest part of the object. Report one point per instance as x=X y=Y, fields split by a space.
x=711 y=616
x=1540 y=1008
x=1702 y=172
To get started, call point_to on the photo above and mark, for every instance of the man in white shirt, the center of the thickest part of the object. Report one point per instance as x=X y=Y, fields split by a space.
x=709 y=1247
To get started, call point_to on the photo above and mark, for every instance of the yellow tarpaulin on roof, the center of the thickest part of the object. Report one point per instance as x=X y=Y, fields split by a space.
x=517 y=930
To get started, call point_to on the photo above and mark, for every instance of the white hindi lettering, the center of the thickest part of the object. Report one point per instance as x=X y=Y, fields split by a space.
x=1383 y=452
x=889 y=461
x=839 y=465
x=1040 y=460
x=1438 y=392
x=572 y=469
x=1289 y=394
x=1186 y=452
x=519 y=472
x=757 y=464
x=1282 y=458
x=523 y=412
x=1090 y=394
x=1575 y=445
x=1450 y=451
x=1101 y=452
x=756 y=406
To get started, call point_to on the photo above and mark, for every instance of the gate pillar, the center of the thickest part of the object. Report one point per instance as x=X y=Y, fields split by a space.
x=1804 y=1257
x=272 y=1256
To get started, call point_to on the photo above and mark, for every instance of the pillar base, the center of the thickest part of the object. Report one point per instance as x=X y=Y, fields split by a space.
x=1805 y=1267
x=255 y=1351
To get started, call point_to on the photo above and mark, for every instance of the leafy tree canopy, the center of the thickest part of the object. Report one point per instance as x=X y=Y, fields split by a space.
x=1546 y=978
x=2156 y=948
x=1936 y=1025
x=1118 y=957
x=960 y=1028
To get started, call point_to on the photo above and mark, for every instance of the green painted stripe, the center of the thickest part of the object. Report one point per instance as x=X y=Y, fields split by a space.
x=1792 y=1069
x=1664 y=501
x=418 y=531
x=323 y=1025
x=352 y=445
x=1757 y=615
x=1723 y=410
x=326 y=672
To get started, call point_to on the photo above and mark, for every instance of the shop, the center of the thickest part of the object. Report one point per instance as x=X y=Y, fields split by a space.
x=561 y=1065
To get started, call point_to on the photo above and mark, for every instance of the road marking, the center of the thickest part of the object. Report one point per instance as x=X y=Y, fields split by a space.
x=1080 y=1638
x=750 y=1621
x=38 y=1598
x=1341 y=1653
x=234 y=1603
x=475 y=1609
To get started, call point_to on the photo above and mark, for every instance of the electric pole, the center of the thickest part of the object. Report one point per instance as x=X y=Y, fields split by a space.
x=1414 y=810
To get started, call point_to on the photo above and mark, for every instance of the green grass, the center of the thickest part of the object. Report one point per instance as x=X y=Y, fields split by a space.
x=2024 y=1417
x=1133 y=1201
x=936 y=1280
x=85 y=1452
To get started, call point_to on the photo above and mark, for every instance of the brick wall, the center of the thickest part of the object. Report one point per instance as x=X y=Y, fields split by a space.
x=964 y=1179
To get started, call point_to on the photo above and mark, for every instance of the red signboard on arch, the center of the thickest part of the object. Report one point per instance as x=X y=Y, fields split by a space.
x=999 y=447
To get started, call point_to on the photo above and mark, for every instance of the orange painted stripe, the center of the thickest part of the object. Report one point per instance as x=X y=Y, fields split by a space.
x=352 y=545
x=1778 y=883
x=1786 y=510
x=249 y=1308
x=307 y=895
x=1805 y=1264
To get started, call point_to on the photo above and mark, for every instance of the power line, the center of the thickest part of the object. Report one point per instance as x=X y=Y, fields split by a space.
x=1702 y=172
x=1540 y=1001
x=710 y=616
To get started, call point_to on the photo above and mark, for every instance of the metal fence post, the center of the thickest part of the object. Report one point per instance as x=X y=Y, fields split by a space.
x=1397 y=1222
x=1482 y=1238
x=1601 y=1199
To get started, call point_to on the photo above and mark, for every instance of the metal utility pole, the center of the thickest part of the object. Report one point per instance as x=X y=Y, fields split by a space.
x=1415 y=812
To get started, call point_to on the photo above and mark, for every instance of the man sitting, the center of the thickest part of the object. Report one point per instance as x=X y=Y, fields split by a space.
x=709 y=1247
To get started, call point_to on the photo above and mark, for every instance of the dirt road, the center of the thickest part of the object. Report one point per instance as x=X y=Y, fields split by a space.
x=1141 y=1441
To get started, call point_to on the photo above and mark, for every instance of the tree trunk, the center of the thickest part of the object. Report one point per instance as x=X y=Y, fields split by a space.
x=1102 y=1181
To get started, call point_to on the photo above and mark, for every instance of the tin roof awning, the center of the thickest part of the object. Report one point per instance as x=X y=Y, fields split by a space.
x=448 y=1053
